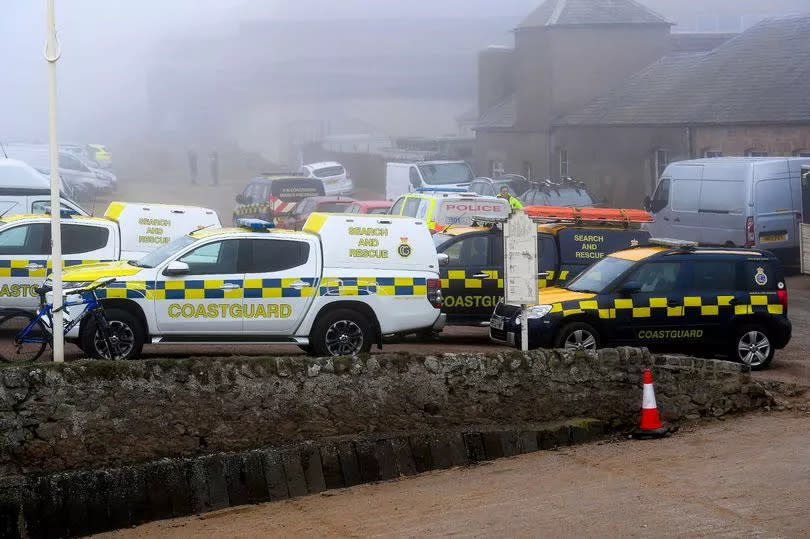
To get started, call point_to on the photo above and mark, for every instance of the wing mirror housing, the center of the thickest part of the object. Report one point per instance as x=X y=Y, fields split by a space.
x=629 y=288
x=444 y=259
x=647 y=205
x=240 y=199
x=176 y=267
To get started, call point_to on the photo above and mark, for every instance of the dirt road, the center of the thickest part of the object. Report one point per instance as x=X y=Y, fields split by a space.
x=737 y=478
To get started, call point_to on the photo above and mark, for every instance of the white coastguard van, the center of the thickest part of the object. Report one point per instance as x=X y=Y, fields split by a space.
x=334 y=288
x=129 y=230
x=402 y=178
x=732 y=201
x=440 y=209
x=23 y=189
x=335 y=179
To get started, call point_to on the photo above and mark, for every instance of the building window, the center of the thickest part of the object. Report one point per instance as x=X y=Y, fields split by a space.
x=563 y=163
x=527 y=170
x=661 y=161
x=801 y=153
x=712 y=153
x=756 y=152
x=496 y=169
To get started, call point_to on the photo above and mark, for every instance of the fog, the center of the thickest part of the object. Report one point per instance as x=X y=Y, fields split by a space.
x=265 y=75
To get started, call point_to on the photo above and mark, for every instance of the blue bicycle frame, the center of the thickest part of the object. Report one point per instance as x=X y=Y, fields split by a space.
x=46 y=312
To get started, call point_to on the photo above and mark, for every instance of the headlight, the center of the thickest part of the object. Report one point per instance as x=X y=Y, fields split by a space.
x=538 y=311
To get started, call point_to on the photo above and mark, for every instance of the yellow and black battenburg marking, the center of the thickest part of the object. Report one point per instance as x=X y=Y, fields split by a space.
x=28 y=268
x=465 y=279
x=693 y=306
x=265 y=288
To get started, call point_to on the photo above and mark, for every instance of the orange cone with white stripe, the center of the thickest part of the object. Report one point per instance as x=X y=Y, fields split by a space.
x=651 y=425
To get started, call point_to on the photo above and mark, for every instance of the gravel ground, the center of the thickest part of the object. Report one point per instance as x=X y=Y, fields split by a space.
x=745 y=477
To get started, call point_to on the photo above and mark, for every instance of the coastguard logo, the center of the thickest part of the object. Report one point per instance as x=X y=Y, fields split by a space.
x=760 y=278
x=634 y=243
x=404 y=250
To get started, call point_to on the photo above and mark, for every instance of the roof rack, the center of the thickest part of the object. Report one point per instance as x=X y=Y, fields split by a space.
x=559 y=183
x=682 y=245
x=578 y=216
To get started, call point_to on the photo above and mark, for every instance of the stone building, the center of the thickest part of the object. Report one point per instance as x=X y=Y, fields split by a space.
x=601 y=90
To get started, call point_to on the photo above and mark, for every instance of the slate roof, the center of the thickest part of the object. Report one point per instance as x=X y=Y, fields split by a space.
x=589 y=12
x=761 y=76
x=501 y=116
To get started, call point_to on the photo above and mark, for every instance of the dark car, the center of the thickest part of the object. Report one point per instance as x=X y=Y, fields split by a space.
x=274 y=195
x=296 y=219
x=672 y=297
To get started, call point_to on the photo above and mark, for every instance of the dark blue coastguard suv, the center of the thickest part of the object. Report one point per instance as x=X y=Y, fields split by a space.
x=668 y=296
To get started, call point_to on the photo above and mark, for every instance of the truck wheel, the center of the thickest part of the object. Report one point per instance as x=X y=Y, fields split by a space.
x=577 y=336
x=341 y=333
x=124 y=325
x=752 y=346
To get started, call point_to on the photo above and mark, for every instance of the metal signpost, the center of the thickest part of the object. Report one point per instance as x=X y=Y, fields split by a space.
x=52 y=54
x=520 y=267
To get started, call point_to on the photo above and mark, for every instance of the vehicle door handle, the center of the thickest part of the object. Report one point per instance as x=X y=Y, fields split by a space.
x=673 y=303
x=733 y=302
x=229 y=286
x=666 y=218
x=34 y=266
x=298 y=285
x=677 y=219
x=481 y=276
x=543 y=275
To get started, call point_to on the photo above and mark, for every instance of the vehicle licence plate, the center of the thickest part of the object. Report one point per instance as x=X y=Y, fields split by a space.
x=496 y=323
x=772 y=237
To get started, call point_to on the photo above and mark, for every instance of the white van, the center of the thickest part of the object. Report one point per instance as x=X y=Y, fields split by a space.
x=732 y=201
x=24 y=190
x=335 y=179
x=403 y=178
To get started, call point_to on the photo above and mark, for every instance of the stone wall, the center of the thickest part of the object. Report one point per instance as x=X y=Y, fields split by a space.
x=103 y=414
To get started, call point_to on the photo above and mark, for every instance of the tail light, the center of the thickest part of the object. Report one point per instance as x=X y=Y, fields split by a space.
x=782 y=295
x=750 y=237
x=434 y=292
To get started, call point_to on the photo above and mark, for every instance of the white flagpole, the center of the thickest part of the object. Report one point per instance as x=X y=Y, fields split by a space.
x=52 y=54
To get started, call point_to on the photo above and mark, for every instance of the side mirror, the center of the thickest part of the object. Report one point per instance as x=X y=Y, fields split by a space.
x=444 y=259
x=415 y=182
x=647 y=204
x=629 y=288
x=240 y=199
x=176 y=267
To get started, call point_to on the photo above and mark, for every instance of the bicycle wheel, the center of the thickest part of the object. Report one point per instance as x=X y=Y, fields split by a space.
x=18 y=345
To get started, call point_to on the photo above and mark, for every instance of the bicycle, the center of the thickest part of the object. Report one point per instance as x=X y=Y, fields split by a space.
x=24 y=336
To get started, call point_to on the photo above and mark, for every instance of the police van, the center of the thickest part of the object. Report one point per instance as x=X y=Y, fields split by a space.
x=670 y=295
x=568 y=241
x=128 y=230
x=333 y=289
x=443 y=208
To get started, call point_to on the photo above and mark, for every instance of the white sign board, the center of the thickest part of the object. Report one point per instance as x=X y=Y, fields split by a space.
x=520 y=260
x=804 y=246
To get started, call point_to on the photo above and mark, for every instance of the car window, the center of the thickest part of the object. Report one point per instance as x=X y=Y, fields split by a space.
x=713 y=275
x=655 y=277
x=412 y=206
x=32 y=239
x=661 y=197
x=268 y=255
x=547 y=252
x=477 y=187
x=685 y=195
x=599 y=276
x=722 y=197
x=569 y=197
x=332 y=207
x=471 y=251
x=773 y=196
x=416 y=181
x=424 y=207
x=378 y=211
x=396 y=209
x=213 y=258
x=327 y=172
x=354 y=208
x=83 y=238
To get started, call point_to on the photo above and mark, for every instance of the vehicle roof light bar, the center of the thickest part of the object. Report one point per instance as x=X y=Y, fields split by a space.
x=442 y=190
x=254 y=224
x=673 y=243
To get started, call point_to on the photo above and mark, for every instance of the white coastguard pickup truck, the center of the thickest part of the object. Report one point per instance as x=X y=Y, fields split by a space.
x=334 y=288
x=128 y=230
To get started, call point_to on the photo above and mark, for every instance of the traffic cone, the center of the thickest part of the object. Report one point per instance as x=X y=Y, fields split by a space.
x=651 y=424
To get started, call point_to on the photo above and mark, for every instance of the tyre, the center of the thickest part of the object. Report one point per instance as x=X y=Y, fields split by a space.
x=126 y=330
x=15 y=350
x=341 y=333
x=578 y=336
x=752 y=346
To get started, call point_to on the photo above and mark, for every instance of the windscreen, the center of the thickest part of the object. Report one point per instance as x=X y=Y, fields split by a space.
x=159 y=255
x=296 y=190
x=328 y=172
x=598 y=277
x=333 y=207
x=578 y=198
x=444 y=173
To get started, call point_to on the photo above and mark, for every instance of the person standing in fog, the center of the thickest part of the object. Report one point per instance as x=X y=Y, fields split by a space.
x=192 y=165
x=214 y=163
